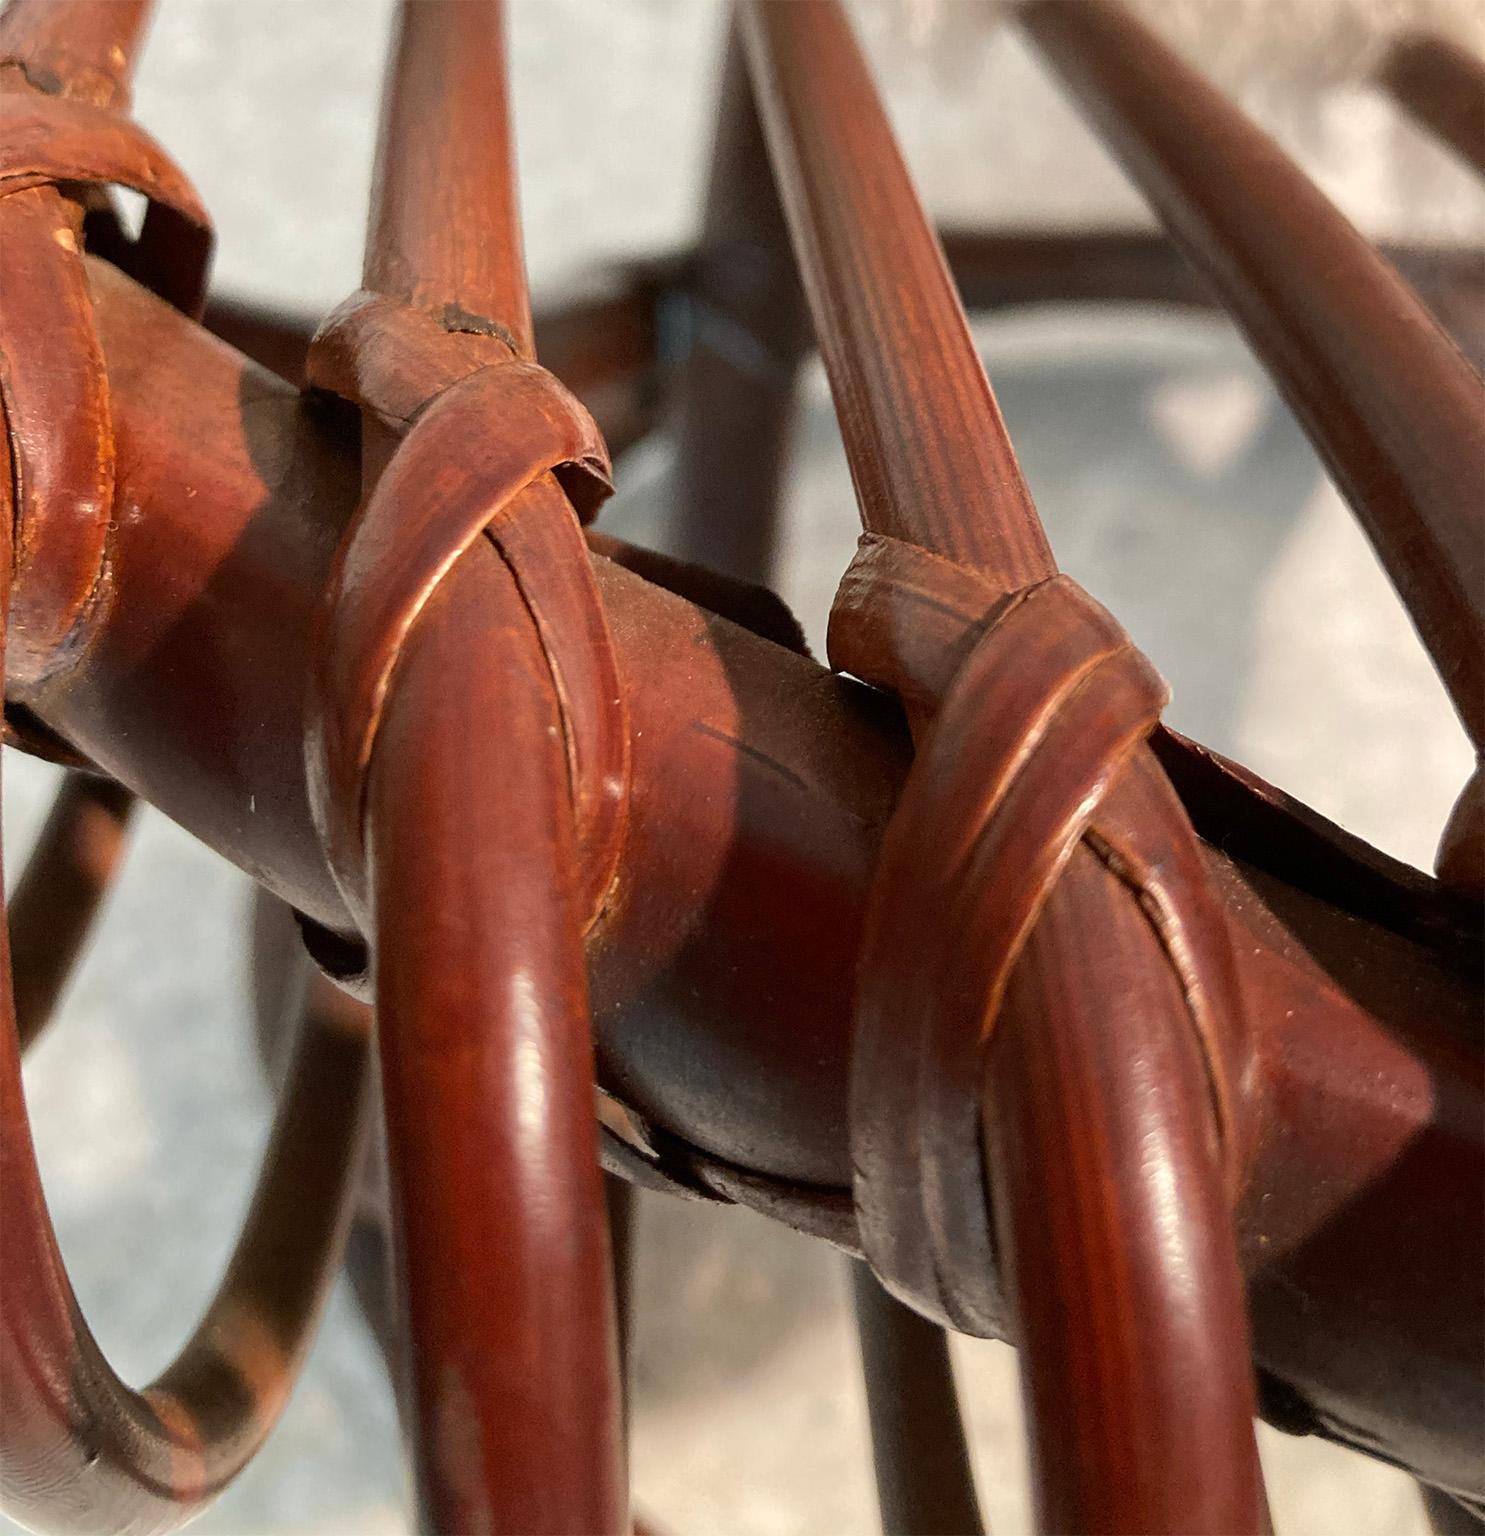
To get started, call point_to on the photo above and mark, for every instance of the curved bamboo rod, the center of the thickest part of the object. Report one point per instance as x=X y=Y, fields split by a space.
x=933 y=466
x=465 y=895
x=80 y=1450
x=52 y=907
x=492 y=1147
x=1388 y=401
x=412 y=864
x=1442 y=85
x=747 y=760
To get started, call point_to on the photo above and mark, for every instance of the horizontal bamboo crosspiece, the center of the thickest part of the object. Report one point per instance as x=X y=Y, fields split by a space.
x=1066 y=1029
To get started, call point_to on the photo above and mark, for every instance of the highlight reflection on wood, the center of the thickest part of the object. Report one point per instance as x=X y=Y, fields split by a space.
x=1066 y=1029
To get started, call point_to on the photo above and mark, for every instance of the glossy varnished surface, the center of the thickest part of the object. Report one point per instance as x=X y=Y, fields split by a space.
x=947 y=979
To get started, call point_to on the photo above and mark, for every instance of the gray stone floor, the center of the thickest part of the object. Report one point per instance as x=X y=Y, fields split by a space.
x=1173 y=484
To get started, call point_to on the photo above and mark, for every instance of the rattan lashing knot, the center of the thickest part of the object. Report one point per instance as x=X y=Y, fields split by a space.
x=1030 y=710
x=471 y=450
x=58 y=454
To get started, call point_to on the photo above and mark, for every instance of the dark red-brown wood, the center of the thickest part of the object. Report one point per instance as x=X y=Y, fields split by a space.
x=1393 y=408
x=724 y=1017
x=471 y=900
x=933 y=467
x=976 y=1002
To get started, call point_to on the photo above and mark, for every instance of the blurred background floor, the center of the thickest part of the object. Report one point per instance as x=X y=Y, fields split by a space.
x=1173 y=485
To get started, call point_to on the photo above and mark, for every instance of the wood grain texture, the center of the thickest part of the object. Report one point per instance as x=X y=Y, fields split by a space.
x=473 y=904
x=725 y=1019
x=1028 y=717
x=921 y=427
x=445 y=232
x=973 y=999
x=80 y=1450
